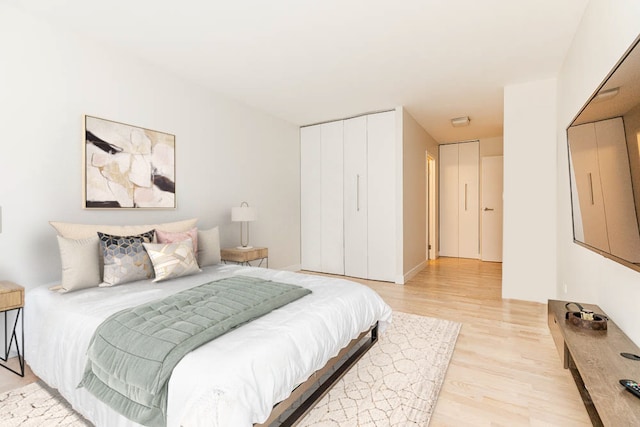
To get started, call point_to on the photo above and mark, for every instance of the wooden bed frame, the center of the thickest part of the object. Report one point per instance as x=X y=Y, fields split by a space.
x=341 y=367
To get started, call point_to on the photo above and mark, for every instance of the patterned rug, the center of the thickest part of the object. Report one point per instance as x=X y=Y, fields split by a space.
x=396 y=383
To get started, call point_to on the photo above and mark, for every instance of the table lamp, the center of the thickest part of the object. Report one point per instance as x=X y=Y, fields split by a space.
x=243 y=214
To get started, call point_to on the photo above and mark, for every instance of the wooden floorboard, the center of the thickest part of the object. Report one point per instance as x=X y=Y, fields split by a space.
x=505 y=370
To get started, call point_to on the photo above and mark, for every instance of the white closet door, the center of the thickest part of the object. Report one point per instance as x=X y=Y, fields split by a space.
x=584 y=157
x=355 y=197
x=310 y=197
x=448 y=199
x=332 y=183
x=381 y=173
x=617 y=193
x=468 y=196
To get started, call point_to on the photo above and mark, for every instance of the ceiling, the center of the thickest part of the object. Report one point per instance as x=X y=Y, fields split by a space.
x=312 y=61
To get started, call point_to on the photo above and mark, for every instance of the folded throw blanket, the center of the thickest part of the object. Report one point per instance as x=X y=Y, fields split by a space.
x=133 y=352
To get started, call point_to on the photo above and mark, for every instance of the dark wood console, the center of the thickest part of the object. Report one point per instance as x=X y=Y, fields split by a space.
x=593 y=357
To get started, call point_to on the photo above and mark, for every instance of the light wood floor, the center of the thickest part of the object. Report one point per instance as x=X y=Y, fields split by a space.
x=505 y=369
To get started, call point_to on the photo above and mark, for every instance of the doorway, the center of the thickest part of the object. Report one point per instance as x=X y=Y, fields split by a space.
x=431 y=207
x=492 y=189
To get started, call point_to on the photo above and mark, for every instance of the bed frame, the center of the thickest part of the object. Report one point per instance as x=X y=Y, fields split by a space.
x=353 y=352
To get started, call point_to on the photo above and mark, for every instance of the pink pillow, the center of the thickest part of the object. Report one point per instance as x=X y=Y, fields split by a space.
x=174 y=237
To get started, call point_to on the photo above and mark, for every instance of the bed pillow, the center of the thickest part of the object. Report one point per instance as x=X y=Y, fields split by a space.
x=163 y=236
x=125 y=259
x=83 y=231
x=208 y=247
x=86 y=231
x=172 y=260
x=79 y=267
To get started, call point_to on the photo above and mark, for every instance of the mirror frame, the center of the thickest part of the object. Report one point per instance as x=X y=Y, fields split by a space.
x=631 y=265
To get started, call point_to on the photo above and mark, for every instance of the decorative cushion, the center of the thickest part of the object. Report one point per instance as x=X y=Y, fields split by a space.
x=163 y=236
x=86 y=231
x=83 y=231
x=125 y=259
x=208 y=247
x=172 y=259
x=79 y=267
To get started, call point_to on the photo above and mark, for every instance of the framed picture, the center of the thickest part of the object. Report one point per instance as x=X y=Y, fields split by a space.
x=127 y=167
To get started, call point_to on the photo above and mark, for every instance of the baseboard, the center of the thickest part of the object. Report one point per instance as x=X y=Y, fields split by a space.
x=296 y=267
x=415 y=270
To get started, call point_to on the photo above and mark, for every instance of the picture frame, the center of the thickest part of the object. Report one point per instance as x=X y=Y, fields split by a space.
x=127 y=166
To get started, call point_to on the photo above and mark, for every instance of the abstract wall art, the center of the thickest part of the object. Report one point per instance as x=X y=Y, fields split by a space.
x=127 y=166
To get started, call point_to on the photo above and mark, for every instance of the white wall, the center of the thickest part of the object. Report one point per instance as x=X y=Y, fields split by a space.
x=415 y=142
x=607 y=29
x=529 y=243
x=225 y=152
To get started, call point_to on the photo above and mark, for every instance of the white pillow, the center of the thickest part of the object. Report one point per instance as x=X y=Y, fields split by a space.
x=172 y=259
x=208 y=247
x=80 y=268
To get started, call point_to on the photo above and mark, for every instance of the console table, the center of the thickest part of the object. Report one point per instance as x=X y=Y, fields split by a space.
x=593 y=357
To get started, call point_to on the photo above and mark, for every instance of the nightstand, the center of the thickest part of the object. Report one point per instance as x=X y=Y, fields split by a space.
x=12 y=298
x=244 y=256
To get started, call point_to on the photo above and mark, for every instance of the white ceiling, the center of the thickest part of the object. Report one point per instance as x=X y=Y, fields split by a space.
x=312 y=61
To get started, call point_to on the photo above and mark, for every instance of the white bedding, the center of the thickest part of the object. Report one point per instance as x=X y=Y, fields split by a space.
x=232 y=381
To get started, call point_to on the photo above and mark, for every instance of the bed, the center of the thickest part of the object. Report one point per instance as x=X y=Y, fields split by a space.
x=234 y=380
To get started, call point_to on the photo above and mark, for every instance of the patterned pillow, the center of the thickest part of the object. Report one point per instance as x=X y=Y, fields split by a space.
x=173 y=237
x=172 y=260
x=125 y=259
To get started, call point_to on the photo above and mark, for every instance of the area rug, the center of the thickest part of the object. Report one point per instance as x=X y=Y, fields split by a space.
x=396 y=383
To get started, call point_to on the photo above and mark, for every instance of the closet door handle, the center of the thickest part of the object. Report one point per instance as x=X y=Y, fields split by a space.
x=465 y=197
x=590 y=187
x=357 y=193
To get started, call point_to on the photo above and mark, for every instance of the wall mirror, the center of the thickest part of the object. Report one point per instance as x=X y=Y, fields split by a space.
x=604 y=165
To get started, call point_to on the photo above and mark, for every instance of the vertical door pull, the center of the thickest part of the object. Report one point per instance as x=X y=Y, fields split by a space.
x=590 y=187
x=358 y=193
x=465 y=197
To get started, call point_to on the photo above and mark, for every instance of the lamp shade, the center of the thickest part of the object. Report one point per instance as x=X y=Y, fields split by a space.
x=243 y=214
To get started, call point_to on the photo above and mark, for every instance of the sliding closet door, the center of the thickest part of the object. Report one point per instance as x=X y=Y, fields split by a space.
x=310 y=197
x=448 y=200
x=355 y=197
x=332 y=184
x=617 y=193
x=584 y=158
x=381 y=173
x=468 y=196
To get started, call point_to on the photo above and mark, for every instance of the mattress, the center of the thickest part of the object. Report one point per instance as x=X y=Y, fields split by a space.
x=234 y=380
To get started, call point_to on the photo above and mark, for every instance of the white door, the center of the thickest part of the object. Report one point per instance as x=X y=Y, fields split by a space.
x=332 y=215
x=310 y=196
x=355 y=197
x=492 y=189
x=448 y=200
x=468 y=196
x=431 y=208
x=381 y=179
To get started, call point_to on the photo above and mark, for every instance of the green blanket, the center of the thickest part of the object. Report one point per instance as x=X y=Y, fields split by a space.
x=133 y=352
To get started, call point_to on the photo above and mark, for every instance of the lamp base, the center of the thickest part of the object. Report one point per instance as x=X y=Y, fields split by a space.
x=244 y=247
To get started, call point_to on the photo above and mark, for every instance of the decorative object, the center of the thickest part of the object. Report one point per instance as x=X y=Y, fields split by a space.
x=125 y=259
x=244 y=214
x=127 y=166
x=460 y=121
x=172 y=259
x=408 y=365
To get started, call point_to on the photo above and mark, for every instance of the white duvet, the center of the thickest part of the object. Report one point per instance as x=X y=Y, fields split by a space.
x=232 y=381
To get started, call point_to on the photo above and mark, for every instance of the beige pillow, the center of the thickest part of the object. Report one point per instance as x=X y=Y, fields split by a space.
x=208 y=247
x=83 y=231
x=172 y=259
x=80 y=267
